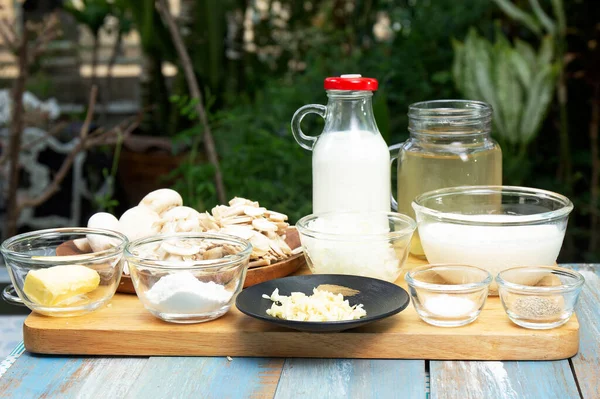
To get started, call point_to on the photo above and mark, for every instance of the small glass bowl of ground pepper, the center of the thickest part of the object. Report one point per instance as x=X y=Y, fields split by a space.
x=541 y=297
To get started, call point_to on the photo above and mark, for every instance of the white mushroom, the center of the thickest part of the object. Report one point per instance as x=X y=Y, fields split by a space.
x=83 y=245
x=102 y=220
x=139 y=222
x=162 y=200
x=181 y=219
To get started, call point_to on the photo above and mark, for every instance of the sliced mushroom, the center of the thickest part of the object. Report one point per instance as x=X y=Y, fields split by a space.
x=162 y=200
x=213 y=253
x=254 y=212
x=181 y=219
x=262 y=224
x=180 y=248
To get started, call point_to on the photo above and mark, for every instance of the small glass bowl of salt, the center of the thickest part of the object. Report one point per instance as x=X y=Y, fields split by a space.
x=540 y=297
x=448 y=295
x=188 y=277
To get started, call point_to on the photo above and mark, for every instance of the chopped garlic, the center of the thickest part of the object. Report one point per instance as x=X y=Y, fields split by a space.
x=320 y=306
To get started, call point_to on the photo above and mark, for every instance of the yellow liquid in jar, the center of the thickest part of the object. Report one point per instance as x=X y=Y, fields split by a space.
x=419 y=173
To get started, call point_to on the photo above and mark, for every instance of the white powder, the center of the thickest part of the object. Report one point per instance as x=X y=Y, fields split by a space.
x=357 y=254
x=182 y=293
x=449 y=306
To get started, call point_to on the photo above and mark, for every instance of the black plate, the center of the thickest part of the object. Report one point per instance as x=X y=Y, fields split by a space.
x=380 y=299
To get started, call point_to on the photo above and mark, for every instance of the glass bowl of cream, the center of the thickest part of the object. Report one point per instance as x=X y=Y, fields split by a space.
x=369 y=244
x=448 y=295
x=539 y=297
x=492 y=227
x=188 y=277
x=55 y=273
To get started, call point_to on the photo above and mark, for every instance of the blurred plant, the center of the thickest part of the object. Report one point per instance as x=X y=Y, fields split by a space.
x=542 y=25
x=124 y=26
x=105 y=198
x=157 y=47
x=517 y=82
x=91 y=14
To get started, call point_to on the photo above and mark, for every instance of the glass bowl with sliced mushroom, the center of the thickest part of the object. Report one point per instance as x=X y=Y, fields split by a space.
x=188 y=277
x=277 y=251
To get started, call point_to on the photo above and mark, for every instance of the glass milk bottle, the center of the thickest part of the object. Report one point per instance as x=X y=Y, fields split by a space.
x=450 y=144
x=350 y=163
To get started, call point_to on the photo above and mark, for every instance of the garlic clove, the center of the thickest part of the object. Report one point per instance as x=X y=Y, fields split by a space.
x=162 y=200
x=139 y=222
x=103 y=220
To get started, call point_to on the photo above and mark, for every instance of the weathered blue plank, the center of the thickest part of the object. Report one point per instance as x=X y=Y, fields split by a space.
x=502 y=380
x=35 y=376
x=352 y=378
x=587 y=362
x=207 y=377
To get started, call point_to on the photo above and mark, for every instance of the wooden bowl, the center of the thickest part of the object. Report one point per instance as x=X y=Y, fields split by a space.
x=255 y=275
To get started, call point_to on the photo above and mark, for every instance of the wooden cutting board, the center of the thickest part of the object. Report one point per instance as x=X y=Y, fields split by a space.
x=124 y=327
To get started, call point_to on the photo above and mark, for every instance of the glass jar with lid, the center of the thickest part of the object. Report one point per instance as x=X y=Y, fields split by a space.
x=450 y=144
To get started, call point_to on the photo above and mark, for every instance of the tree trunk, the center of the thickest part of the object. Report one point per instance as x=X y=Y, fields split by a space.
x=107 y=95
x=595 y=179
x=188 y=69
x=95 y=49
x=15 y=137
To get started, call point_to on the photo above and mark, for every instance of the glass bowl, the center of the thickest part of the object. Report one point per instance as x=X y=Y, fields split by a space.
x=190 y=288
x=539 y=297
x=492 y=227
x=448 y=295
x=62 y=285
x=370 y=244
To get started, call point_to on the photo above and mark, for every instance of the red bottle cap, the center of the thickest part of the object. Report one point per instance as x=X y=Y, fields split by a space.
x=351 y=82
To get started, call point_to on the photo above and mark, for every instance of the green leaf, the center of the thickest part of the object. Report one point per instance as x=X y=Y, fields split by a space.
x=527 y=52
x=538 y=98
x=514 y=12
x=522 y=69
x=546 y=52
x=509 y=93
x=541 y=15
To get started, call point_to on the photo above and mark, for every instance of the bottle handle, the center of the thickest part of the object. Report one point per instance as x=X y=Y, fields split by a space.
x=394 y=152
x=9 y=294
x=307 y=142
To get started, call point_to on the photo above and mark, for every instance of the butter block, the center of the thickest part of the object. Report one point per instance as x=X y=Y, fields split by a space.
x=51 y=286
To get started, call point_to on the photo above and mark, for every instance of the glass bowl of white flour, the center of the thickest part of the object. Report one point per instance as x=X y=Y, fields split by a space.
x=188 y=277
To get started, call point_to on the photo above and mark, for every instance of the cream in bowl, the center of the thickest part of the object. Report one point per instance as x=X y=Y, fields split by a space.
x=188 y=277
x=369 y=244
x=493 y=227
x=55 y=285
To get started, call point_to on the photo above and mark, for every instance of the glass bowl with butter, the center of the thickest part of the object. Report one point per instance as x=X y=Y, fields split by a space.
x=188 y=277
x=53 y=277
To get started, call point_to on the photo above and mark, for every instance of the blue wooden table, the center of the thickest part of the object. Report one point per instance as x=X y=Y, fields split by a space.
x=33 y=376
